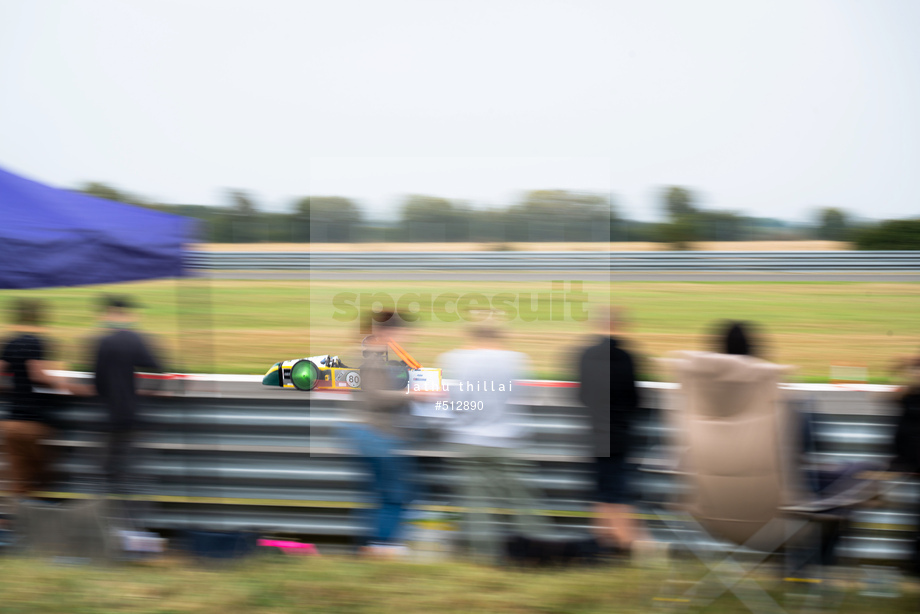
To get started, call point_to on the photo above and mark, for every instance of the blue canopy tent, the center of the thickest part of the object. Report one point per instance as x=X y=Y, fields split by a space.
x=55 y=237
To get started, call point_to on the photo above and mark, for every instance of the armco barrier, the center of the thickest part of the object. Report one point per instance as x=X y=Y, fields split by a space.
x=817 y=261
x=225 y=452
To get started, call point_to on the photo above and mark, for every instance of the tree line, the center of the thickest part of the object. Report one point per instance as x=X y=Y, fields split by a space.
x=539 y=215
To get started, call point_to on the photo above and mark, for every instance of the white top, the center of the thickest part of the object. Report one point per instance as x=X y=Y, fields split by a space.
x=481 y=397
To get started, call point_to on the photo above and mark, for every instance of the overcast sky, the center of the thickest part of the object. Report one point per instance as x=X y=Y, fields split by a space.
x=772 y=108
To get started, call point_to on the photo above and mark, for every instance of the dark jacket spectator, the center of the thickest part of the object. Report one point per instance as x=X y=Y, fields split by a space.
x=907 y=433
x=608 y=389
x=906 y=444
x=607 y=376
x=31 y=412
x=19 y=354
x=118 y=354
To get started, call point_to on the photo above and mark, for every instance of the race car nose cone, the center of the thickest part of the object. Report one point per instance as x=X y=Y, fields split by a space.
x=304 y=374
x=273 y=377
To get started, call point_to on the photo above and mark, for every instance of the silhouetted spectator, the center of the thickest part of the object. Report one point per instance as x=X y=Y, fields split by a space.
x=907 y=437
x=120 y=352
x=607 y=376
x=26 y=357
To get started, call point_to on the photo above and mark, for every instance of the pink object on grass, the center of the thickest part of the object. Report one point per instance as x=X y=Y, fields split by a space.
x=289 y=547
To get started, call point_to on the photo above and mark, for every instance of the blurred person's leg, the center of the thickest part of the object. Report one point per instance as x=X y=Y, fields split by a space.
x=388 y=518
x=372 y=515
x=37 y=456
x=118 y=461
x=390 y=482
x=15 y=445
x=361 y=441
x=915 y=561
x=474 y=488
x=396 y=492
x=495 y=478
x=616 y=524
x=521 y=497
x=44 y=463
x=26 y=454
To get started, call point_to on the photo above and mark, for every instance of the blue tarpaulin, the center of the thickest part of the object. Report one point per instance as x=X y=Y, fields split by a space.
x=55 y=237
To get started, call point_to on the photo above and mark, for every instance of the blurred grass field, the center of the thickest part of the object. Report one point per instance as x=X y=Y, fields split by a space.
x=232 y=326
x=334 y=584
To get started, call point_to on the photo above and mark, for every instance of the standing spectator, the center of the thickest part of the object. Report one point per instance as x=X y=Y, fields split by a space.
x=377 y=437
x=907 y=436
x=484 y=433
x=607 y=374
x=119 y=352
x=26 y=357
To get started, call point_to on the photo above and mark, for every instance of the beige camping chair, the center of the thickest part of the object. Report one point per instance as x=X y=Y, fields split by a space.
x=736 y=447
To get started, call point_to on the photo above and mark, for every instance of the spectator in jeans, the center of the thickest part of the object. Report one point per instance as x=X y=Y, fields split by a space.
x=485 y=436
x=377 y=437
x=607 y=376
x=26 y=357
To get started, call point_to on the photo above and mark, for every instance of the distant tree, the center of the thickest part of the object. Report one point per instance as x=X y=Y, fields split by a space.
x=104 y=190
x=489 y=225
x=243 y=217
x=890 y=235
x=833 y=224
x=101 y=190
x=683 y=224
x=332 y=219
x=678 y=203
x=562 y=215
x=643 y=232
x=301 y=206
x=300 y=220
x=431 y=218
x=719 y=225
x=242 y=203
x=772 y=229
x=680 y=234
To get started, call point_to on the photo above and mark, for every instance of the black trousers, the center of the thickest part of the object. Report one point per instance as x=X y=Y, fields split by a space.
x=915 y=563
x=118 y=461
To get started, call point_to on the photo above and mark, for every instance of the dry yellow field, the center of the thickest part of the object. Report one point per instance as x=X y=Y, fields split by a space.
x=744 y=246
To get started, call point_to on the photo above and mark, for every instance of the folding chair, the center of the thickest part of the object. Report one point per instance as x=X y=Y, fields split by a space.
x=738 y=440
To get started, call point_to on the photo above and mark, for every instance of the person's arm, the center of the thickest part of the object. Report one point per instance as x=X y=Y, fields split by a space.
x=376 y=386
x=901 y=446
x=39 y=367
x=583 y=378
x=3 y=370
x=97 y=386
x=630 y=390
x=146 y=358
x=39 y=374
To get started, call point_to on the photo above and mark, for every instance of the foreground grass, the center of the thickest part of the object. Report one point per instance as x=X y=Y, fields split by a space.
x=245 y=326
x=330 y=585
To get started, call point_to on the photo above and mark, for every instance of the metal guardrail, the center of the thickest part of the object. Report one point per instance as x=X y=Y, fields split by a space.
x=231 y=454
x=559 y=261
